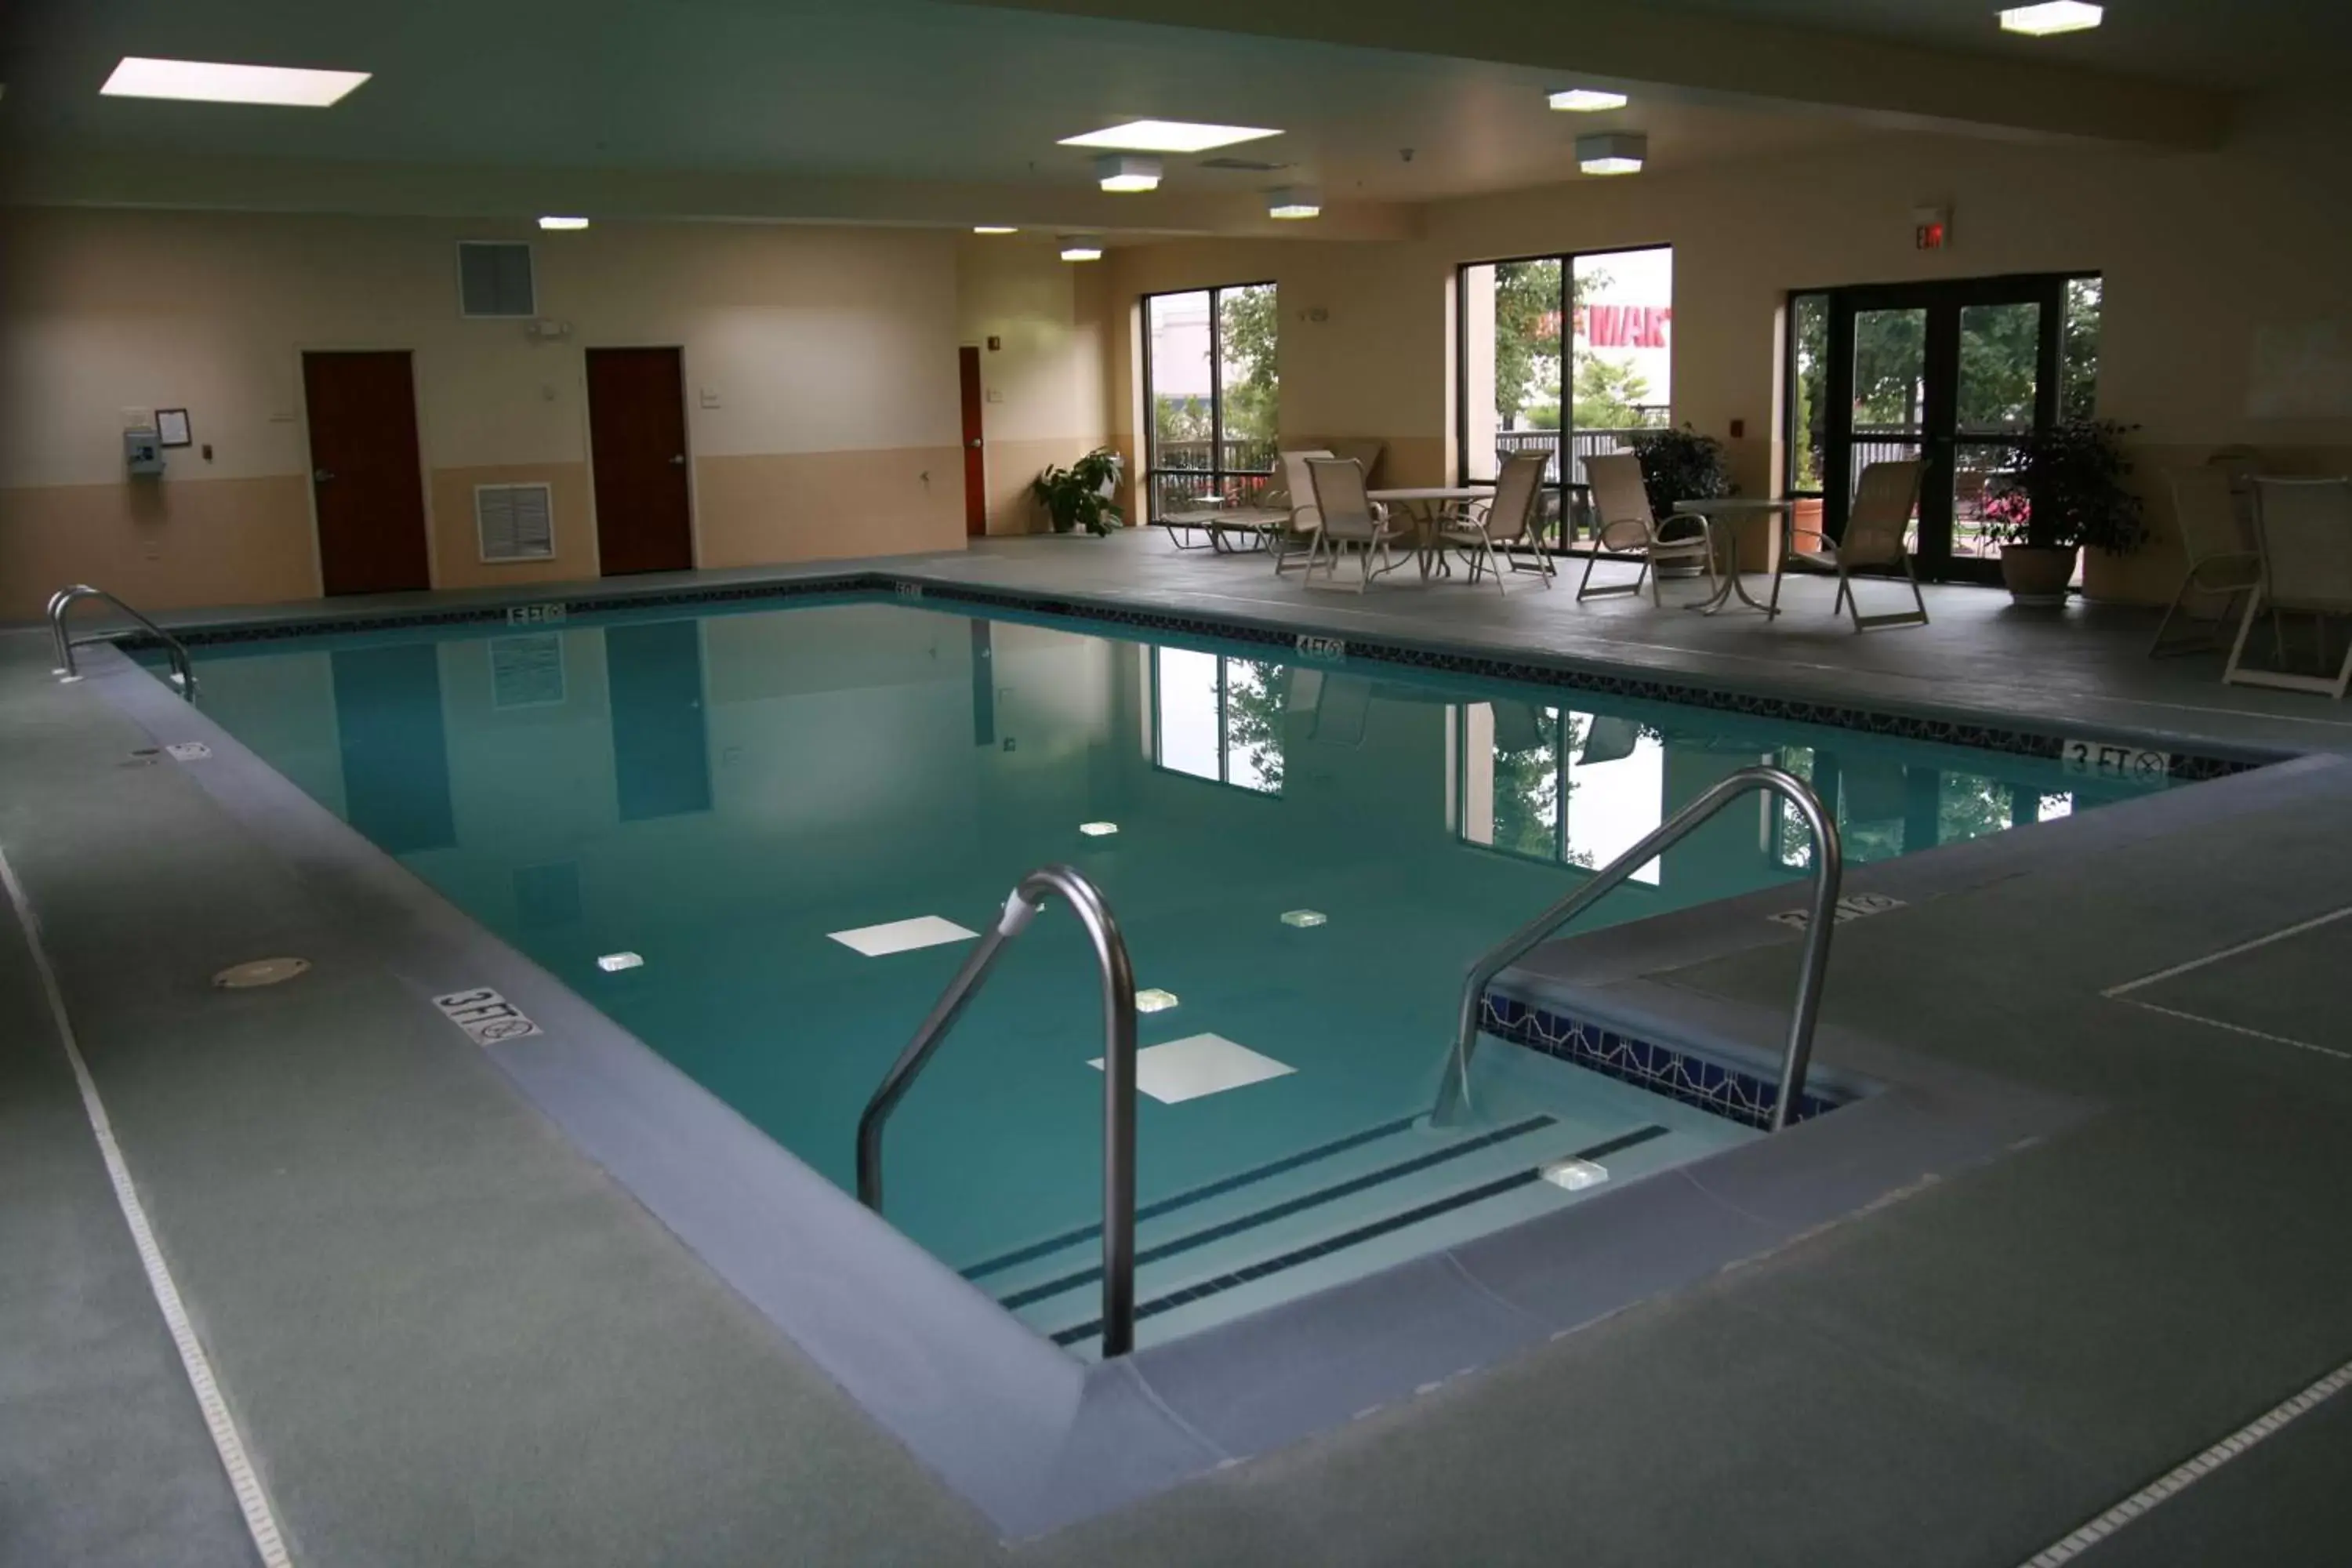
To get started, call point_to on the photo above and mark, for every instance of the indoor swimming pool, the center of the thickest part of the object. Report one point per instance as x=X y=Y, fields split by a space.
x=761 y=840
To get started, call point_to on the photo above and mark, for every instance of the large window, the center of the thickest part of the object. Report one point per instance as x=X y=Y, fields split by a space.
x=1217 y=718
x=1545 y=784
x=1211 y=379
x=1567 y=355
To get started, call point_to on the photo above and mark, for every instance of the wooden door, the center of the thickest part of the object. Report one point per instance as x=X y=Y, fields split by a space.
x=636 y=433
x=975 y=459
x=365 y=478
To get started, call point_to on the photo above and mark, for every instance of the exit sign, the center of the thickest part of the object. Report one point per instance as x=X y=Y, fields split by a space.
x=1928 y=237
x=1931 y=227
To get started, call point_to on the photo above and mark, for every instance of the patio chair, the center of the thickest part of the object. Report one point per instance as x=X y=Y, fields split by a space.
x=1626 y=528
x=2220 y=560
x=1349 y=520
x=1877 y=527
x=1502 y=521
x=1293 y=538
x=2304 y=529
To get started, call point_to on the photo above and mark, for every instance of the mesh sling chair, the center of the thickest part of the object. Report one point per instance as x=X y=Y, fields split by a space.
x=2306 y=529
x=1293 y=539
x=1626 y=528
x=2221 y=561
x=1485 y=528
x=1876 y=529
x=1349 y=520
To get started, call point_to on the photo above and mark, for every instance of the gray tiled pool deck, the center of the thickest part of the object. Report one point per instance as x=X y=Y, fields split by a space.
x=451 y=1338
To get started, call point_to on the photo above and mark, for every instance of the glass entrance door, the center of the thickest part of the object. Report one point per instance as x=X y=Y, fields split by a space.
x=1951 y=373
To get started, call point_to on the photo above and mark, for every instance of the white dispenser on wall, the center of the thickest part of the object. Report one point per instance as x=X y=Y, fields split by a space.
x=142 y=452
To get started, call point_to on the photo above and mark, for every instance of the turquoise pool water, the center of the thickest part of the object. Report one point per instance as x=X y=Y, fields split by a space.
x=720 y=794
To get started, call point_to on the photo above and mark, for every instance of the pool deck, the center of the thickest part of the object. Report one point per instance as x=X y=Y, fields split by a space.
x=447 y=1336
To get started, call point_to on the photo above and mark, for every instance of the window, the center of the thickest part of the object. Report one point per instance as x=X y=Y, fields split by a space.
x=2078 y=350
x=1211 y=378
x=494 y=279
x=1573 y=349
x=1807 y=390
x=1217 y=718
x=1544 y=783
x=1882 y=808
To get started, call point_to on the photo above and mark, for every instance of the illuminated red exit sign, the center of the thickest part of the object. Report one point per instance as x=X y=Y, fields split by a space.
x=1931 y=227
x=1928 y=237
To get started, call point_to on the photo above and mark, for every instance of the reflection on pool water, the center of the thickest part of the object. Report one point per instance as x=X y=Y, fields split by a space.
x=726 y=796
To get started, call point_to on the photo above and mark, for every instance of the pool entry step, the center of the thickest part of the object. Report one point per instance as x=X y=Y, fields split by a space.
x=1334 y=1211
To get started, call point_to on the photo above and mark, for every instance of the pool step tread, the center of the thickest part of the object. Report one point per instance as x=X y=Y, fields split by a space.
x=1215 y=1255
x=1522 y=1179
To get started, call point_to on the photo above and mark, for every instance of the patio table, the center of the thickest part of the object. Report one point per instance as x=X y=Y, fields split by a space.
x=1716 y=514
x=1421 y=502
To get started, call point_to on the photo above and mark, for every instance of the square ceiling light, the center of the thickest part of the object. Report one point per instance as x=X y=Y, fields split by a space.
x=2056 y=16
x=1587 y=99
x=1612 y=152
x=210 y=81
x=1168 y=136
x=1293 y=202
x=1082 y=247
x=1124 y=172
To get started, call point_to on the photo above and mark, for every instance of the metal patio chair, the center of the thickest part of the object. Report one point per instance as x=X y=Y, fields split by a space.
x=1626 y=528
x=2221 y=560
x=2305 y=528
x=1877 y=528
x=1484 y=529
x=1349 y=520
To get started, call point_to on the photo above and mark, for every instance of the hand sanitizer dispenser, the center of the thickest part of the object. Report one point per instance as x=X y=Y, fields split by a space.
x=142 y=452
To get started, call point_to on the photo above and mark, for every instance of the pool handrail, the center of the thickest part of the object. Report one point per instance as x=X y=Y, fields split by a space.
x=1453 y=1093
x=183 y=668
x=1094 y=912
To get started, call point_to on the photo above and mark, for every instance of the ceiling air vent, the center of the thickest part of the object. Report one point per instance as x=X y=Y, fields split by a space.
x=1246 y=165
x=514 y=523
x=494 y=278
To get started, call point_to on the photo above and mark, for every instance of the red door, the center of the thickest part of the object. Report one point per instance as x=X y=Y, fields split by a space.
x=975 y=460
x=365 y=479
x=636 y=434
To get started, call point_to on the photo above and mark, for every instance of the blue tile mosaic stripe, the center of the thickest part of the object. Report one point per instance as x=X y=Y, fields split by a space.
x=1944 y=731
x=1218 y=1188
x=1300 y=1205
x=1696 y=1081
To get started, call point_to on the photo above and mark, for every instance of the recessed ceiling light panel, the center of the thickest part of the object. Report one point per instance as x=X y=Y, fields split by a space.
x=2055 y=16
x=1612 y=152
x=993 y=229
x=1168 y=136
x=1587 y=99
x=557 y=221
x=213 y=81
x=1082 y=247
x=1124 y=172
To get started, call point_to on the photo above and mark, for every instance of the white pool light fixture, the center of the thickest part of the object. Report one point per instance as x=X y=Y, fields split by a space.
x=1082 y=247
x=1099 y=829
x=1612 y=152
x=222 y=81
x=1169 y=136
x=1575 y=1176
x=2052 y=17
x=1122 y=173
x=1587 y=99
x=1303 y=920
x=614 y=963
x=1293 y=202
x=561 y=221
x=1154 y=1000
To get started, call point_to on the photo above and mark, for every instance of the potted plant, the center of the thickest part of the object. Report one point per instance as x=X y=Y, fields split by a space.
x=1679 y=465
x=1082 y=496
x=2066 y=489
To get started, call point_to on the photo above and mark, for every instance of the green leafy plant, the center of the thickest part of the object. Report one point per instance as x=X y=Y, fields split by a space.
x=1082 y=495
x=2067 y=489
x=1680 y=465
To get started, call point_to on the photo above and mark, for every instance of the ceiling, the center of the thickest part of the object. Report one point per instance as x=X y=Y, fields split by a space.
x=910 y=90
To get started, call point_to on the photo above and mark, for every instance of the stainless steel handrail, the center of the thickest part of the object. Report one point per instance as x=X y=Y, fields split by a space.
x=183 y=668
x=1119 y=1077
x=1453 y=1094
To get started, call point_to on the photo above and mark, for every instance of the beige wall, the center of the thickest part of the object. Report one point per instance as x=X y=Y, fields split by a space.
x=819 y=363
x=1044 y=385
x=2203 y=255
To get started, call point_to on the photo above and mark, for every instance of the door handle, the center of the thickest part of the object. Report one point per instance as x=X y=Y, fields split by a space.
x=976 y=441
x=320 y=476
x=679 y=461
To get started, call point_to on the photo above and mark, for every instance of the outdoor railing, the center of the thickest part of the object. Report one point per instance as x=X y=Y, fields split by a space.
x=1582 y=444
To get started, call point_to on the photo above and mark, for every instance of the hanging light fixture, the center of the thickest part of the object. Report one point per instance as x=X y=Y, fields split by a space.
x=1293 y=202
x=1082 y=247
x=1121 y=173
x=1613 y=151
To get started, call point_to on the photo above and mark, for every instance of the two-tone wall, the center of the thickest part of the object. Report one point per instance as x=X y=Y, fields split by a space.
x=2228 y=314
x=820 y=367
x=1042 y=329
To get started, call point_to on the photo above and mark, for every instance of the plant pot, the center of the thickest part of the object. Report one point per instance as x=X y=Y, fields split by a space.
x=2037 y=573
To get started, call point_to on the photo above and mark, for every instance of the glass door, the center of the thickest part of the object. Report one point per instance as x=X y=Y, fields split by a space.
x=1951 y=372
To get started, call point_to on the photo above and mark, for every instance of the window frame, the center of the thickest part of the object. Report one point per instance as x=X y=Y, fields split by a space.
x=1217 y=474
